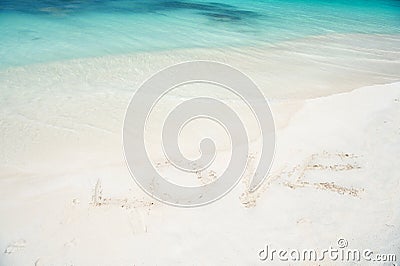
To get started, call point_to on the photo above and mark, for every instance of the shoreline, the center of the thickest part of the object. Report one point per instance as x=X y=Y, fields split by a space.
x=319 y=63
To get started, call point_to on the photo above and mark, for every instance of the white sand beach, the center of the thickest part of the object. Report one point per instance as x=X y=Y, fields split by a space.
x=67 y=198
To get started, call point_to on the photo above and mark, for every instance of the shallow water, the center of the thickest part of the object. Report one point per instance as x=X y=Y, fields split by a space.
x=43 y=31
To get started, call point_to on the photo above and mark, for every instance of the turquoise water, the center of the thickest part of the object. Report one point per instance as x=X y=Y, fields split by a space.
x=42 y=31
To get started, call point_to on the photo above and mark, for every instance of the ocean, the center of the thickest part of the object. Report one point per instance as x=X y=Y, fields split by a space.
x=47 y=31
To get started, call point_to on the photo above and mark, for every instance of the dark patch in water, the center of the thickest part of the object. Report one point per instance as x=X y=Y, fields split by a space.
x=194 y=6
x=215 y=11
x=221 y=17
x=212 y=10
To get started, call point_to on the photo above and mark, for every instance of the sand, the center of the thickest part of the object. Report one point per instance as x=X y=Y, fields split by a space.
x=67 y=197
